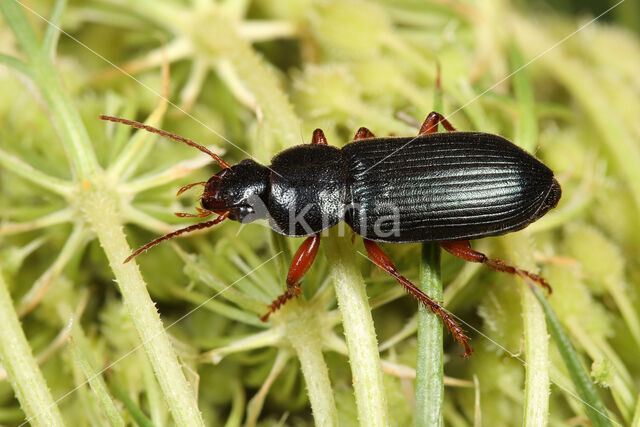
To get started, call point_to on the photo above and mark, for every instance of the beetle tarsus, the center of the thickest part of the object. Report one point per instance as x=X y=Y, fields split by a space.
x=300 y=264
x=383 y=261
x=462 y=249
x=291 y=292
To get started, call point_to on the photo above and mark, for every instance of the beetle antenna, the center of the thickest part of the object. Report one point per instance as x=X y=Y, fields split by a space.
x=199 y=226
x=164 y=133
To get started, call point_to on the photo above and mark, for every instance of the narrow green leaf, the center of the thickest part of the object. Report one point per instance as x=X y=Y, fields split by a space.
x=136 y=413
x=593 y=405
x=52 y=34
x=82 y=355
x=16 y=64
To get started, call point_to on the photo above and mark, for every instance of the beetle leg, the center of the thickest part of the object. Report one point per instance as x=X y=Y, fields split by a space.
x=318 y=137
x=462 y=249
x=363 y=133
x=300 y=264
x=430 y=124
x=383 y=261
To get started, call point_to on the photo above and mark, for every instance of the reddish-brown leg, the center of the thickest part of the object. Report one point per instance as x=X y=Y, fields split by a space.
x=462 y=249
x=363 y=133
x=381 y=259
x=300 y=264
x=318 y=137
x=430 y=124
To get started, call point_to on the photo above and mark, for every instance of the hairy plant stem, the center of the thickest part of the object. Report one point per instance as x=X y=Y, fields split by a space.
x=359 y=331
x=305 y=337
x=536 y=341
x=593 y=405
x=101 y=212
x=429 y=369
x=536 y=338
x=24 y=374
x=66 y=117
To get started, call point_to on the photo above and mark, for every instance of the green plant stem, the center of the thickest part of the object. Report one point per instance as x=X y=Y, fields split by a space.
x=359 y=331
x=82 y=356
x=636 y=416
x=24 y=374
x=305 y=338
x=101 y=212
x=593 y=405
x=66 y=118
x=138 y=416
x=536 y=341
x=429 y=366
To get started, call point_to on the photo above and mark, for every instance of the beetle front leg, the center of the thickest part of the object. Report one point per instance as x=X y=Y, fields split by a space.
x=383 y=261
x=430 y=124
x=462 y=249
x=300 y=264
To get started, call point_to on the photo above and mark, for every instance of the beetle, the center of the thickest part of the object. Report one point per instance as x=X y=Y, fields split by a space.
x=435 y=187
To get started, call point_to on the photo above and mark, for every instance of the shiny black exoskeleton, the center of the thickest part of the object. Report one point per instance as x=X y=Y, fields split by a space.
x=433 y=187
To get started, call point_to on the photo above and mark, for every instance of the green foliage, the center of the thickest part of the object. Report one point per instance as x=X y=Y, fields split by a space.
x=251 y=78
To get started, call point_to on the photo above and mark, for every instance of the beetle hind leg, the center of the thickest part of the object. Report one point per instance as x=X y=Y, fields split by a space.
x=381 y=259
x=300 y=264
x=462 y=249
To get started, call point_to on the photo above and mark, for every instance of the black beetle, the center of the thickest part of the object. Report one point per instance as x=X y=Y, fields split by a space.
x=447 y=188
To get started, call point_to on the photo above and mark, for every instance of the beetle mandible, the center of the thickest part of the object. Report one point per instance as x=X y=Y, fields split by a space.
x=436 y=187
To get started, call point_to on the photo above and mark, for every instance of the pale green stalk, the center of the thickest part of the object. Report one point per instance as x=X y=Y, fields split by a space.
x=359 y=331
x=429 y=366
x=82 y=356
x=97 y=199
x=636 y=416
x=429 y=393
x=593 y=405
x=66 y=118
x=303 y=332
x=101 y=211
x=536 y=341
x=536 y=338
x=23 y=371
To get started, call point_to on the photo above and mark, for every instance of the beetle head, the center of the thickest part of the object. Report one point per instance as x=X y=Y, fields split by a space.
x=241 y=190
